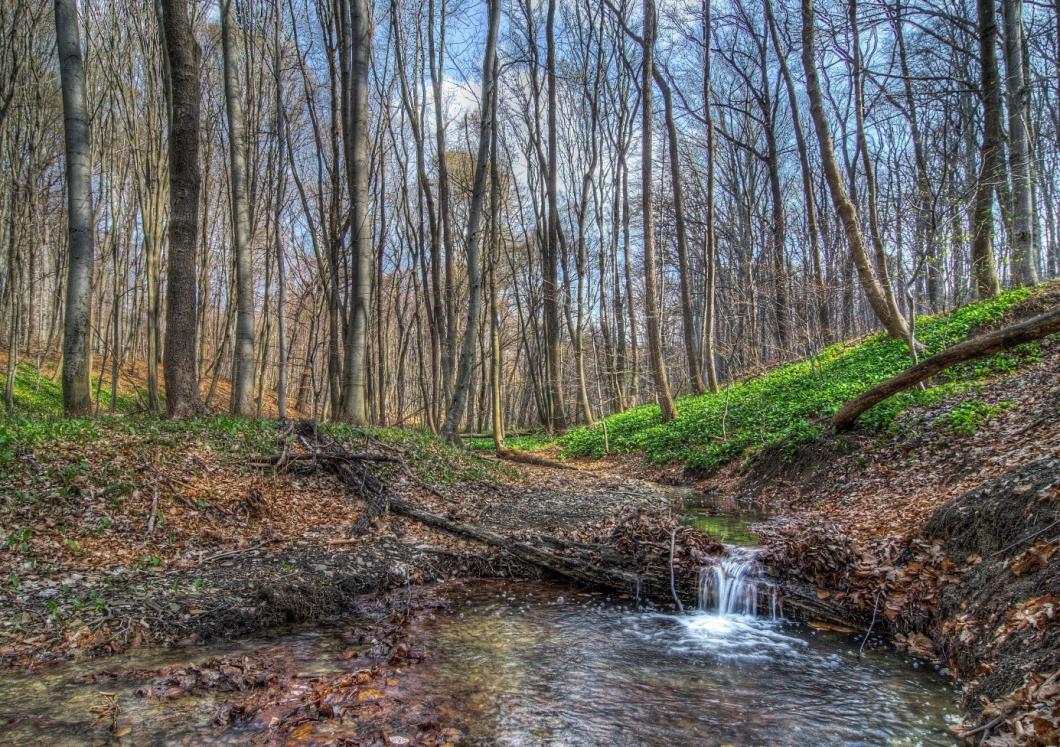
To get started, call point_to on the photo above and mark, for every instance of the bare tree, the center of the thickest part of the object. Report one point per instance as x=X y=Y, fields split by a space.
x=244 y=359
x=179 y=357
x=473 y=237
x=77 y=396
x=893 y=322
x=991 y=160
x=651 y=308
x=1024 y=264
x=355 y=369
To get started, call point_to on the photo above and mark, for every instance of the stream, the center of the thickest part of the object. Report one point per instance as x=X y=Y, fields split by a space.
x=527 y=663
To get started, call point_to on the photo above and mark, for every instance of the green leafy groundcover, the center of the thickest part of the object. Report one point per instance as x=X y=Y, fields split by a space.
x=786 y=405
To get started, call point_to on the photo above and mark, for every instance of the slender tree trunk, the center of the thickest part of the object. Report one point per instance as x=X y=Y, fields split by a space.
x=1021 y=239
x=710 y=248
x=179 y=358
x=551 y=289
x=871 y=196
x=244 y=361
x=77 y=352
x=991 y=164
x=894 y=324
x=355 y=373
x=812 y=229
x=688 y=324
x=651 y=309
x=281 y=270
x=436 y=56
x=487 y=132
x=496 y=352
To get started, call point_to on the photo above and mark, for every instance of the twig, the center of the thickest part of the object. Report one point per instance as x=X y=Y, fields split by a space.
x=231 y=553
x=673 y=584
x=1019 y=542
x=876 y=606
x=154 y=510
x=985 y=727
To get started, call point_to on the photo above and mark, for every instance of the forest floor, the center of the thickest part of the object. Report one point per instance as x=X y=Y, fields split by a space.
x=128 y=532
x=130 y=535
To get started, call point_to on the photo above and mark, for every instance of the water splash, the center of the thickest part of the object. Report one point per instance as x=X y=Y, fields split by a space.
x=733 y=584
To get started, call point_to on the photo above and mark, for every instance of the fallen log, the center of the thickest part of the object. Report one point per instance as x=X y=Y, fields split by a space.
x=644 y=572
x=523 y=457
x=980 y=346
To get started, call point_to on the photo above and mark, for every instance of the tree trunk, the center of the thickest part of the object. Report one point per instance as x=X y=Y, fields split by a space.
x=244 y=361
x=651 y=309
x=179 y=363
x=77 y=396
x=1021 y=239
x=709 y=247
x=688 y=324
x=355 y=373
x=894 y=323
x=1028 y=330
x=991 y=165
x=551 y=289
x=487 y=132
x=819 y=293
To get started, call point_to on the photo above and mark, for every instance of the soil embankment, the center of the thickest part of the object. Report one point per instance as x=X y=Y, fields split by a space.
x=946 y=529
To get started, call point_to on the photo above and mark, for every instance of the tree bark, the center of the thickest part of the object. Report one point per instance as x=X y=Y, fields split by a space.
x=77 y=395
x=244 y=360
x=551 y=289
x=709 y=247
x=487 y=132
x=977 y=347
x=1021 y=240
x=355 y=372
x=894 y=323
x=179 y=357
x=688 y=325
x=991 y=163
x=668 y=411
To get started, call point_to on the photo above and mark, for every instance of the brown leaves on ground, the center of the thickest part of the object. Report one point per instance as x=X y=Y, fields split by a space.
x=650 y=535
x=222 y=674
x=1036 y=555
x=1030 y=714
x=907 y=573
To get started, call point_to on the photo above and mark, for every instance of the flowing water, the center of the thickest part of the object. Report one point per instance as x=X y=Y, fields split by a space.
x=535 y=663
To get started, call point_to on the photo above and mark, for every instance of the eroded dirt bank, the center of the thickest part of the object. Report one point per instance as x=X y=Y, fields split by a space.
x=948 y=535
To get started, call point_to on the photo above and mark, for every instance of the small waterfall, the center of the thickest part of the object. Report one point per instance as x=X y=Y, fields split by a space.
x=731 y=586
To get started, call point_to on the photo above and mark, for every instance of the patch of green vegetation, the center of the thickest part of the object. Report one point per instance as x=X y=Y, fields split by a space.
x=433 y=460
x=527 y=442
x=967 y=417
x=18 y=540
x=39 y=393
x=785 y=406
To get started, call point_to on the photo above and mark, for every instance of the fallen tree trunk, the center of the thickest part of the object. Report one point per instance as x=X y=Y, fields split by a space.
x=632 y=565
x=980 y=346
x=523 y=457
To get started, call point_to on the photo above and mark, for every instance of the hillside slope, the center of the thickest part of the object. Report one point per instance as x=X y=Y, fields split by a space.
x=787 y=405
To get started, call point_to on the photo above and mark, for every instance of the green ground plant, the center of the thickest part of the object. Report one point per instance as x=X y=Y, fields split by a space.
x=787 y=405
